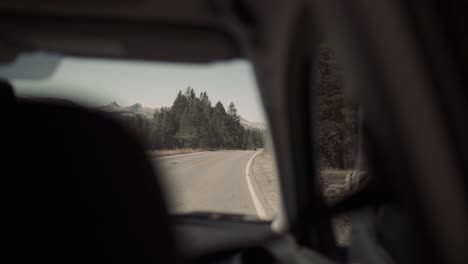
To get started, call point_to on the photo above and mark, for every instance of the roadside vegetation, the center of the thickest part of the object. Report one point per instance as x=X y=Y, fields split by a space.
x=336 y=120
x=192 y=123
x=336 y=124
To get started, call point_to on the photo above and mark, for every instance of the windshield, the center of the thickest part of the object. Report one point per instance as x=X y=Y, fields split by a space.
x=202 y=125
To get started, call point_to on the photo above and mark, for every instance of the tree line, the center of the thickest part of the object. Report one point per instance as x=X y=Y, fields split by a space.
x=192 y=122
x=336 y=120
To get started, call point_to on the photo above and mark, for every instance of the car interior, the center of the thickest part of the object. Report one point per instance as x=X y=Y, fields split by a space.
x=96 y=198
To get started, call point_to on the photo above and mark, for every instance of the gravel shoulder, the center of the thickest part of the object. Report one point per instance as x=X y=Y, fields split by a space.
x=265 y=182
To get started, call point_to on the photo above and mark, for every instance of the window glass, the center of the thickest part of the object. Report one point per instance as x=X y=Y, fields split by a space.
x=337 y=128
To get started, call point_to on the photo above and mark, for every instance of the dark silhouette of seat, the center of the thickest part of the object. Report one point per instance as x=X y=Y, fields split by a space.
x=79 y=188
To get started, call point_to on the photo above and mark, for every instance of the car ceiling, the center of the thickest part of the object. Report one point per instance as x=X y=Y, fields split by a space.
x=176 y=30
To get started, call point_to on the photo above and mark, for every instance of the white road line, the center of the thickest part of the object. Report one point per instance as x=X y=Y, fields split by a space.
x=178 y=155
x=258 y=205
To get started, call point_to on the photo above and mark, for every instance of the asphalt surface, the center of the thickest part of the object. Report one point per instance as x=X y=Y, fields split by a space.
x=209 y=182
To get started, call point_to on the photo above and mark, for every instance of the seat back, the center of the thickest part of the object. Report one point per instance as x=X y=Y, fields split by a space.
x=80 y=189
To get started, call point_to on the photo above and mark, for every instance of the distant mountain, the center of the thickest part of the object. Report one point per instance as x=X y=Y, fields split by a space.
x=138 y=109
x=112 y=107
x=252 y=125
x=141 y=110
x=135 y=109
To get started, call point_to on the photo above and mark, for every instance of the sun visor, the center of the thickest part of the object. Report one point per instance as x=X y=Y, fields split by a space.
x=177 y=31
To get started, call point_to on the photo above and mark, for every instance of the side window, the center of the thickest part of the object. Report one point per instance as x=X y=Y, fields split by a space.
x=337 y=134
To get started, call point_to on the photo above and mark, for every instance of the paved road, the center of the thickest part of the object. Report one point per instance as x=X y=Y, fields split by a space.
x=209 y=181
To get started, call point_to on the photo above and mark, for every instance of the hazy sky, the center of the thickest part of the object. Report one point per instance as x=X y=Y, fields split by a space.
x=99 y=82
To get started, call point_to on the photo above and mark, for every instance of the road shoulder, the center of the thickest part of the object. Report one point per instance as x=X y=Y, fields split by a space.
x=265 y=183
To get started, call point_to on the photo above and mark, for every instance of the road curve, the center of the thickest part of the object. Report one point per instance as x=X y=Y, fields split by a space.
x=211 y=181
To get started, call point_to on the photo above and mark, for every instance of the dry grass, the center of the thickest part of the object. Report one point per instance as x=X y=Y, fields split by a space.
x=332 y=182
x=171 y=152
x=333 y=176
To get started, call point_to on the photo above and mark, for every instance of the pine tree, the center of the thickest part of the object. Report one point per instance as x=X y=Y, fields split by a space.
x=164 y=129
x=193 y=122
x=335 y=121
x=219 y=126
x=234 y=127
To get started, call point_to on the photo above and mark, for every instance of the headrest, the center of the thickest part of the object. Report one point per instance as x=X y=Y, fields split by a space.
x=7 y=96
x=82 y=190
